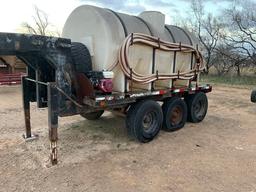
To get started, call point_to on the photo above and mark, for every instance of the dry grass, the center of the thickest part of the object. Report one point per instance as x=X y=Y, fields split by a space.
x=230 y=80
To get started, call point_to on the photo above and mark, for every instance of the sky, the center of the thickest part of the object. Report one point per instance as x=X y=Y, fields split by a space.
x=15 y=12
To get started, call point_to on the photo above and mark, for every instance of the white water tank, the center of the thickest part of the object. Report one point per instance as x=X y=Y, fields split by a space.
x=103 y=32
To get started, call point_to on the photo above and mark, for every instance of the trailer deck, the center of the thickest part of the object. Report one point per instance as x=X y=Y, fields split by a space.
x=122 y=98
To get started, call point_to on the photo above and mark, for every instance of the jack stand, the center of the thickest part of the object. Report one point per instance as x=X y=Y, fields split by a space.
x=52 y=94
x=28 y=136
x=33 y=137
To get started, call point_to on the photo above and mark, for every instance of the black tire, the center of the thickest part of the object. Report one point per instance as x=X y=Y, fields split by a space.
x=81 y=57
x=253 y=96
x=175 y=114
x=197 y=107
x=93 y=115
x=144 y=120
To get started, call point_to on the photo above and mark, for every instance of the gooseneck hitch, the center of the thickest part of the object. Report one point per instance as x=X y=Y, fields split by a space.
x=49 y=75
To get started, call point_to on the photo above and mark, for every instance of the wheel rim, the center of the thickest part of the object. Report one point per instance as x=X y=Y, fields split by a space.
x=199 y=108
x=149 y=121
x=176 y=115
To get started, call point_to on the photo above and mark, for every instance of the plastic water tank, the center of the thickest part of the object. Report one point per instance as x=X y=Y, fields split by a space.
x=103 y=31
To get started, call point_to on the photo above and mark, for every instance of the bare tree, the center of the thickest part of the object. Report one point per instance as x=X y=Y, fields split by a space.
x=228 y=43
x=41 y=25
x=208 y=30
x=227 y=58
x=241 y=29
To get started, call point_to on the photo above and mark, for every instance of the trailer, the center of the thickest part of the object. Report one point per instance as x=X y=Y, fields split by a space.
x=136 y=66
x=52 y=81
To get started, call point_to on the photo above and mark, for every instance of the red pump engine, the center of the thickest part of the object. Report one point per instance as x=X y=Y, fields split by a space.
x=101 y=80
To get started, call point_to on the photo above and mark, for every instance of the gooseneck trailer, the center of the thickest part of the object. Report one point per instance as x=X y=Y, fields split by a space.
x=113 y=62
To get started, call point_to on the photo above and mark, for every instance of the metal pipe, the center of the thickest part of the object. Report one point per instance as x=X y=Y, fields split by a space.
x=26 y=106
x=35 y=81
x=52 y=94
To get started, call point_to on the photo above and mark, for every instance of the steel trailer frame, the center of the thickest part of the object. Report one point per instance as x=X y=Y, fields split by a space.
x=51 y=82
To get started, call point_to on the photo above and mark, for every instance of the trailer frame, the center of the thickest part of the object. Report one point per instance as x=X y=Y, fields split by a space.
x=51 y=81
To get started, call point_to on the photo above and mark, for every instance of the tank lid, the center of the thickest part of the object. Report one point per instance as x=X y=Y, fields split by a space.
x=155 y=19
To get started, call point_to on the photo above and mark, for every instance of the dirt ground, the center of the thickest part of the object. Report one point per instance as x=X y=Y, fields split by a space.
x=218 y=154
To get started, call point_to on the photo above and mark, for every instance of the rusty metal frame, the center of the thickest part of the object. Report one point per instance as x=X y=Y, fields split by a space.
x=53 y=112
x=44 y=55
x=26 y=107
x=122 y=99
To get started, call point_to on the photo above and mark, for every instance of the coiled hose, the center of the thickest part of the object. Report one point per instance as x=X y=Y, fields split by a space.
x=142 y=39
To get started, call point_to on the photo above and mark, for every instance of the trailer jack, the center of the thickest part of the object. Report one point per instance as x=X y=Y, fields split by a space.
x=52 y=103
x=53 y=120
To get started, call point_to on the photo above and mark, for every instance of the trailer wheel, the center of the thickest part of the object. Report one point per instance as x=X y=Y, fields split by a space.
x=144 y=120
x=253 y=96
x=175 y=114
x=93 y=115
x=197 y=107
x=81 y=57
